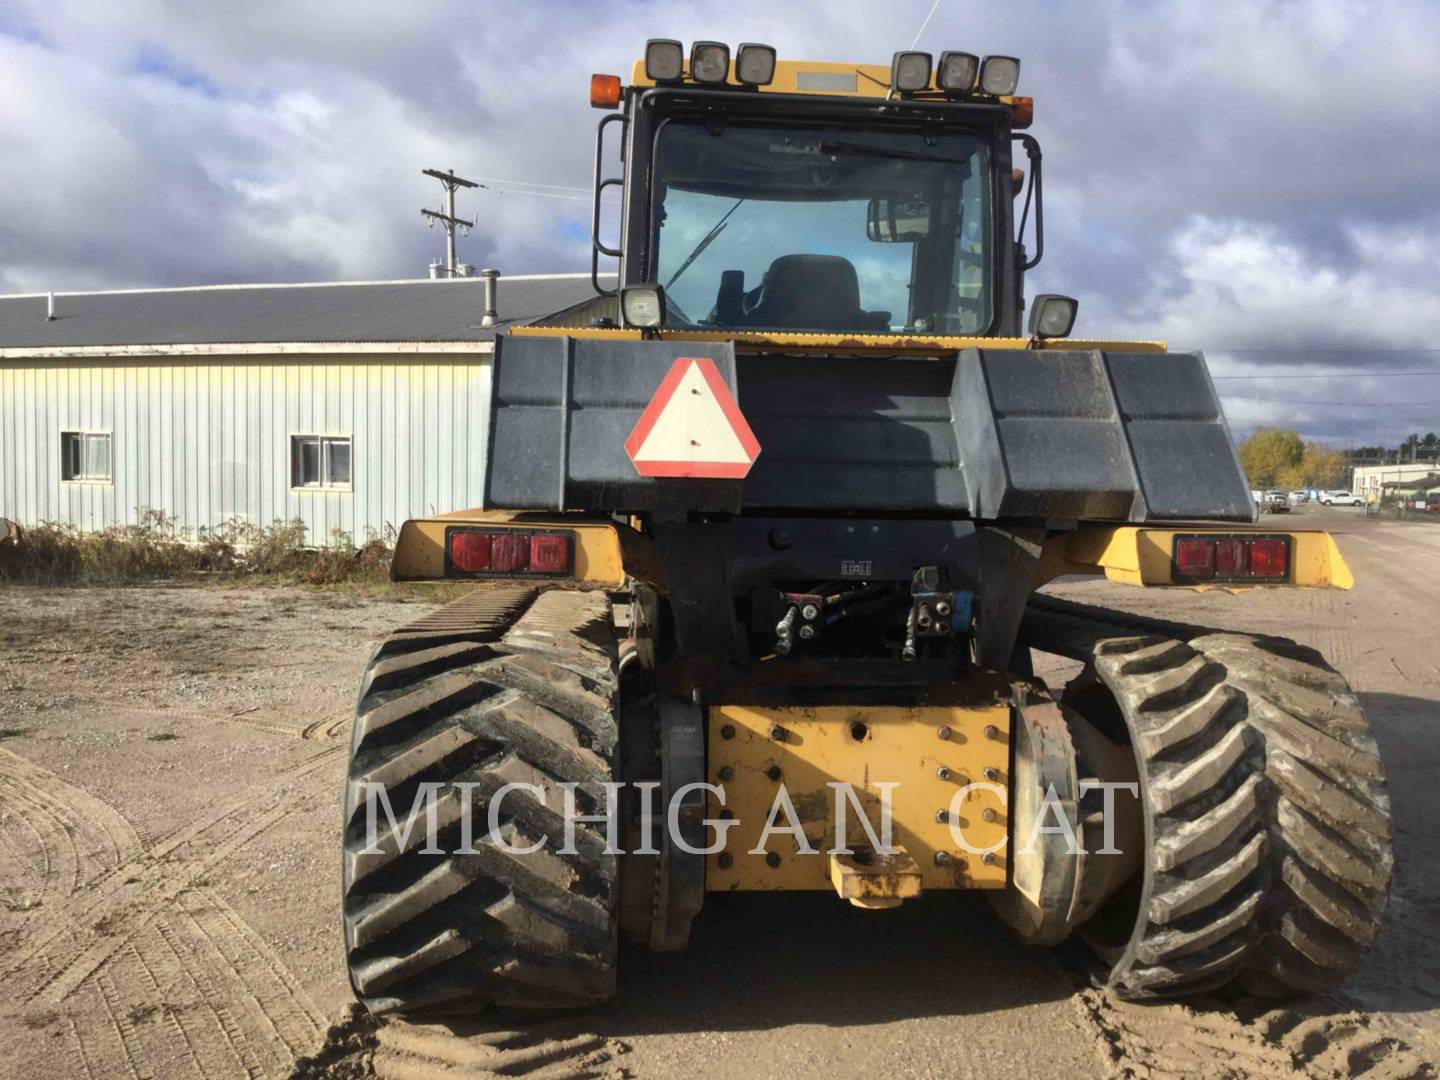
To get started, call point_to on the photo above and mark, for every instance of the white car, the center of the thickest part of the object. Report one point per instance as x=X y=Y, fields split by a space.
x=1340 y=498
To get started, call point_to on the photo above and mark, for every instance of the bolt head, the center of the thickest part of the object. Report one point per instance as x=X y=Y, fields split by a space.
x=727 y=773
x=988 y=815
x=726 y=860
x=942 y=858
x=777 y=732
x=772 y=860
x=943 y=773
x=810 y=611
x=942 y=816
x=988 y=858
x=944 y=731
x=728 y=731
x=991 y=731
x=806 y=633
x=992 y=773
x=774 y=773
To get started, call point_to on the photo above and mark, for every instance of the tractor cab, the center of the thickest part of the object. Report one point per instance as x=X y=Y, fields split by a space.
x=764 y=196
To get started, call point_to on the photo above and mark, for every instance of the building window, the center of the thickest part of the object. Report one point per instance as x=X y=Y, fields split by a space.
x=320 y=461
x=85 y=456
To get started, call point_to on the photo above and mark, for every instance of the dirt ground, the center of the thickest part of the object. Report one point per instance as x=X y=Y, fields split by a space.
x=170 y=771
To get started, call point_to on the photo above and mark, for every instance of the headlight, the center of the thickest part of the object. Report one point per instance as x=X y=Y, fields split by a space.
x=664 y=60
x=1000 y=75
x=956 y=71
x=642 y=305
x=910 y=71
x=1052 y=315
x=709 y=62
x=755 y=64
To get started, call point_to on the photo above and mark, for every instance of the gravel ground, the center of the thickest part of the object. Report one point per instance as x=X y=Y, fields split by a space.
x=170 y=768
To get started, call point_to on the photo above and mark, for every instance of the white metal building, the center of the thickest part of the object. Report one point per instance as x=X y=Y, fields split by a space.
x=349 y=406
x=1371 y=480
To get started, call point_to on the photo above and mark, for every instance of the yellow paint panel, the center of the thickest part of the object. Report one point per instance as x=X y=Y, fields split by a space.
x=791 y=340
x=895 y=744
x=1135 y=555
x=420 y=548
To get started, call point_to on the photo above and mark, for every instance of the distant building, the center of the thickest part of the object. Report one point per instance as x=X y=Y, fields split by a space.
x=350 y=406
x=1372 y=480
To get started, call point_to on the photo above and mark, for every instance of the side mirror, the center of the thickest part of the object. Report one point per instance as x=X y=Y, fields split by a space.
x=890 y=222
x=1052 y=315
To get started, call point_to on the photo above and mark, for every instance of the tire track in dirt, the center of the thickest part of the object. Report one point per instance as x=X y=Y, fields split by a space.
x=75 y=838
x=180 y=984
x=175 y=859
x=556 y=1048
x=1213 y=1040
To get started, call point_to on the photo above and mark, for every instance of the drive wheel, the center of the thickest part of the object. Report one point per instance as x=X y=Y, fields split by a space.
x=1188 y=919
x=507 y=686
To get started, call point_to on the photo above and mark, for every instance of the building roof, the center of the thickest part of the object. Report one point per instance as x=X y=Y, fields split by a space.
x=362 y=312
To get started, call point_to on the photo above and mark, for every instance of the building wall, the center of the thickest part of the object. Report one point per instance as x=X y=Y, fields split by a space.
x=1371 y=479
x=207 y=438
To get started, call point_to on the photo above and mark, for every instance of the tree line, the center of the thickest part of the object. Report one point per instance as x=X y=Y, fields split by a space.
x=1275 y=457
x=1416 y=447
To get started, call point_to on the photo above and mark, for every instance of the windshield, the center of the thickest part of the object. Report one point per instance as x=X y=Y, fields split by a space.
x=877 y=230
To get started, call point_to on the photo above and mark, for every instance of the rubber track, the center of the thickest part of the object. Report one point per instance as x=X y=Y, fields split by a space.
x=1200 y=769
x=1323 y=799
x=505 y=686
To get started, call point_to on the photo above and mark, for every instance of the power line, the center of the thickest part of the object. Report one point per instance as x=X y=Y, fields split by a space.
x=1315 y=352
x=1339 y=404
x=924 y=24
x=1339 y=374
x=529 y=183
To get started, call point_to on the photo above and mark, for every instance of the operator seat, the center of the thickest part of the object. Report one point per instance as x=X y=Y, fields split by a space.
x=813 y=292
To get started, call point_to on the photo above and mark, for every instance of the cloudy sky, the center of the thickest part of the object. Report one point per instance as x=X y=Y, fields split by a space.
x=1257 y=180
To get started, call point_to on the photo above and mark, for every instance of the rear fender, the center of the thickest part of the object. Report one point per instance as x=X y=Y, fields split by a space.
x=1146 y=556
x=605 y=552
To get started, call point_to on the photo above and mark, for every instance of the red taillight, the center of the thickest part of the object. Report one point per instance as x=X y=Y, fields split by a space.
x=470 y=551
x=509 y=551
x=1195 y=557
x=1269 y=558
x=1231 y=557
x=549 y=554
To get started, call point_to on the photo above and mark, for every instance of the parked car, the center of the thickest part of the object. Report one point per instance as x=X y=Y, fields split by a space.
x=1433 y=506
x=1275 y=503
x=1299 y=497
x=1341 y=498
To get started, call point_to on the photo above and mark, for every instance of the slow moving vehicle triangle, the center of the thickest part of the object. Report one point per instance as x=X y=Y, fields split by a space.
x=693 y=427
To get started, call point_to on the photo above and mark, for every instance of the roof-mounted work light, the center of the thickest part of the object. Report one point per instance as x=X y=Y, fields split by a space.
x=709 y=62
x=642 y=305
x=755 y=64
x=909 y=72
x=956 y=72
x=1000 y=75
x=1052 y=315
x=664 y=60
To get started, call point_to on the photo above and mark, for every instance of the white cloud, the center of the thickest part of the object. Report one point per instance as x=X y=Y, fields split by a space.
x=1259 y=174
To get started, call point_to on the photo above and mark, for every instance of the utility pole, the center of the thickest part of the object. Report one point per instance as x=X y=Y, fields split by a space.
x=447 y=218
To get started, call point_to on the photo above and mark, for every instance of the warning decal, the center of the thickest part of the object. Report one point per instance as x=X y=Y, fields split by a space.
x=693 y=427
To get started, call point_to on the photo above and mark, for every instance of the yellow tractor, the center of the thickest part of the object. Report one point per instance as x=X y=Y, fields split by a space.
x=756 y=587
